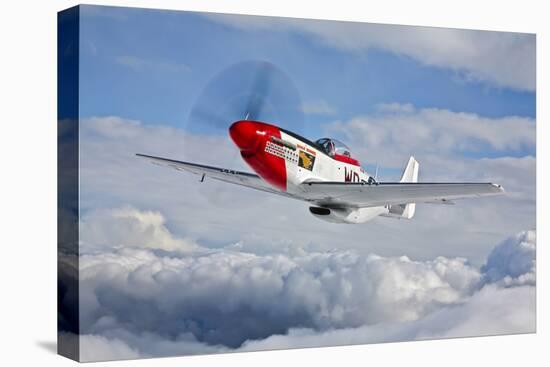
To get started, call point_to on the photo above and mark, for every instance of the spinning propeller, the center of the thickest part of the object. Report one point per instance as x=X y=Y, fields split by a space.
x=248 y=90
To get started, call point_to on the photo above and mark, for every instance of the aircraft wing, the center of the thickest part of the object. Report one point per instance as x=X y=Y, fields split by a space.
x=361 y=195
x=222 y=174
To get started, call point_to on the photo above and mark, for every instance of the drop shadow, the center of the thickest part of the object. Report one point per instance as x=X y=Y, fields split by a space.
x=48 y=345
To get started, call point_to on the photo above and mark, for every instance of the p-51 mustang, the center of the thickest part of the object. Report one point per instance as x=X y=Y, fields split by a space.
x=326 y=175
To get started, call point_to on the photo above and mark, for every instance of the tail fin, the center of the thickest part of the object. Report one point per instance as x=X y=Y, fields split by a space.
x=410 y=174
x=411 y=171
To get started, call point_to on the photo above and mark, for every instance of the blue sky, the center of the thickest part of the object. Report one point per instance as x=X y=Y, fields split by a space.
x=152 y=65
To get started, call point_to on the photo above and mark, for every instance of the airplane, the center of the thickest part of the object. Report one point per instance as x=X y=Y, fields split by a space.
x=326 y=175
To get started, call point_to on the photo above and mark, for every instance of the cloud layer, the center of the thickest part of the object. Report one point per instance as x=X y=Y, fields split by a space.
x=137 y=300
x=439 y=131
x=502 y=59
x=198 y=278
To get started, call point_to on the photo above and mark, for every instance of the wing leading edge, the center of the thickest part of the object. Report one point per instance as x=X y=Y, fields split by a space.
x=363 y=195
x=222 y=174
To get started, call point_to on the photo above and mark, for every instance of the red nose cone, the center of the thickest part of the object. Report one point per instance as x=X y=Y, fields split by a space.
x=252 y=138
x=244 y=134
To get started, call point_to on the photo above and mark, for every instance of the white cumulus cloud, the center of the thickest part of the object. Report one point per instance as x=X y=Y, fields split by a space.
x=167 y=303
x=513 y=261
x=399 y=129
x=129 y=227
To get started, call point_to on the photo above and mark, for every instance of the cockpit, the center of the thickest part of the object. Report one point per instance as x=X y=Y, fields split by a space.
x=333 y=147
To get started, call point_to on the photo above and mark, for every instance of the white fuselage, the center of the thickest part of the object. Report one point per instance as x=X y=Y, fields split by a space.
x=323 y=167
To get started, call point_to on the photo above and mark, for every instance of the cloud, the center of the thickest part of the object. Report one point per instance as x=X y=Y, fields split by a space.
x=99 y=348
x=502 y=59
x=491 y=311
x=166 y=303
x=318 y=107
x=513 y=261
x=116 y=346
x=402 y=129
x=139 y=64
x=396 y=107
x=128 y=227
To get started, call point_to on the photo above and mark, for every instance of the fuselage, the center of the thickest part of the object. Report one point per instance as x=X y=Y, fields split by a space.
x=286 y=160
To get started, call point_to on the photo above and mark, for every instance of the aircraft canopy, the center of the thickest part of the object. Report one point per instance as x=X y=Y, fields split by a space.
x=333 y=146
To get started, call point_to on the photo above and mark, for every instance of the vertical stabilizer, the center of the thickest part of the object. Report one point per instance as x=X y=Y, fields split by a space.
x=411 y=171
x=409 y=175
